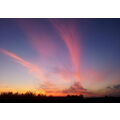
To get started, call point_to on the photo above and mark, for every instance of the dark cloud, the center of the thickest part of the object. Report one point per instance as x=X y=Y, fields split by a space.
x=117 y=86
x=109 y=87
x=114 y=90
x=114 y=87
x=76 y=88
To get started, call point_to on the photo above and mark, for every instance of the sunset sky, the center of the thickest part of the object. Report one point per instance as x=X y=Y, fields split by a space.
x=60 y=56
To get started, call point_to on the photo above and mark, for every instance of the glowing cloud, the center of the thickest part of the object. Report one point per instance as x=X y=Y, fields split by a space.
x=33 y=69
x=68 y=33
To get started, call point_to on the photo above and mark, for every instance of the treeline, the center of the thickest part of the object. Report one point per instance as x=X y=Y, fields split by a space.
x=30 y=97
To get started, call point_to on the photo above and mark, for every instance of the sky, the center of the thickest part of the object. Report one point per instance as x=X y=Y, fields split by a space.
x=60 y=56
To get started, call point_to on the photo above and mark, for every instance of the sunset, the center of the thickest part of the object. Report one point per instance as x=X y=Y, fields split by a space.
x=60 y=57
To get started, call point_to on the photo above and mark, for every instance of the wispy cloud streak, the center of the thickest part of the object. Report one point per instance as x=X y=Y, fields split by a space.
x=68 y=33
x=39 y=37
x=32 y=68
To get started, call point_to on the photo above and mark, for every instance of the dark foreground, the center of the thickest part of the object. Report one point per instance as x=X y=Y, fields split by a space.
x=31 y=98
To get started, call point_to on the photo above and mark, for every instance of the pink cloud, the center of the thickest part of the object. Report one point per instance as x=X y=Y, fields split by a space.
x=39 y=39
x=68 y=33
x=32 y=68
